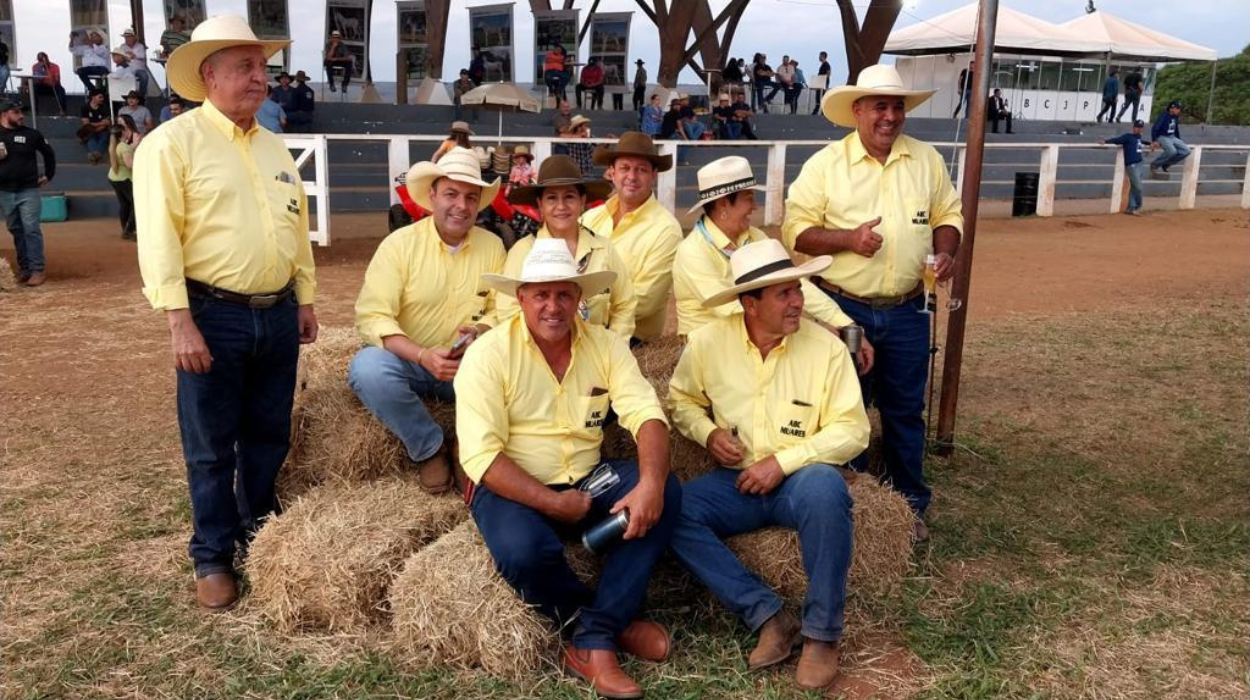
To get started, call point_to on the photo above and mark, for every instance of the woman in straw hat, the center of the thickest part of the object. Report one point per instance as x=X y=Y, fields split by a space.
x=701 y=270
x=560 y=195
x=458 y=138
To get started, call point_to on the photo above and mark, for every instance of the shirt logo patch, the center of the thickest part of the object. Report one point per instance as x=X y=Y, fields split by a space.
x=19 y=139
x=921 y=218
x=794 y=428
x=293 y=206
x=595 y=420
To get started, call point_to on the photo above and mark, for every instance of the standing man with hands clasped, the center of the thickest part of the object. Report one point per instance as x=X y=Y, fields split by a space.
x=880 y=202
x=20 y=202
x=224 y=252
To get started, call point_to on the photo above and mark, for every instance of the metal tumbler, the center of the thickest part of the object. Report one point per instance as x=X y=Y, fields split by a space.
x=607 y=533
x=853 y=336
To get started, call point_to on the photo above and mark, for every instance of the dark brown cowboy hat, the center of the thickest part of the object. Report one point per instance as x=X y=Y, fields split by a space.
x=560 y=171
x=633 y=143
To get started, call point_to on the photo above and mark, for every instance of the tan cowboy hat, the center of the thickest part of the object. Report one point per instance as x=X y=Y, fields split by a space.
x=459 y=164
x=636 y=144
x=558 y=171
x=873 y=80
x=524 y=152
x=550 y=261
x=461 y=128
x=577 y=121
x=123 y=51
x=724 y=176
x=212 y=35
x=763 y=264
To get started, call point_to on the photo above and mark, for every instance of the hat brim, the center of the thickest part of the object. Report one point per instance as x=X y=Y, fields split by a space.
x=605 y=156
x=812 y=267
x=183 y=66
x=836 y=105
x=591 y=282
x=422 y=176
x=529 y=194
x=699 y=204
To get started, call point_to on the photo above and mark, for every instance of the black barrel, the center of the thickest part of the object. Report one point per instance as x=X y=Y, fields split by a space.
x=1024 y=201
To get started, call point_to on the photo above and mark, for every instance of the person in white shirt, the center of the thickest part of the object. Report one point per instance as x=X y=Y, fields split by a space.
x=138 y=62
x=93 y=54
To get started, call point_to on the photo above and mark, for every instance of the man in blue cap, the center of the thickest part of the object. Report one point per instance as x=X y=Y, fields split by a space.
x=1166 y=134
x=1132 y=144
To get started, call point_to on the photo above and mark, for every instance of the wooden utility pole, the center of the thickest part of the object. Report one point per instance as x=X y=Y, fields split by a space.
x=865 y=43
x=957 y=322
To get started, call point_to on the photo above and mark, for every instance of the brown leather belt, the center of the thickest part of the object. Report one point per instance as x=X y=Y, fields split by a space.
x=874 y=302
x=251 y=301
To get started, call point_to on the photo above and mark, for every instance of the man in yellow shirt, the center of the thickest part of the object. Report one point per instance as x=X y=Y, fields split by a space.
x=880 y=202
x=422 y=304
x=644 y=233
x=785 y=407
x=542 y=384
x=225 y=253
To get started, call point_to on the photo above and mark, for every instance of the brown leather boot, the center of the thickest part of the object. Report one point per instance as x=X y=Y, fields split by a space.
x=818 y=665
x=778 y=638
x=919 y=531
x=646 y=640
x=216 y=592
x=600 y=668
x=36 y=279
x=434 y=474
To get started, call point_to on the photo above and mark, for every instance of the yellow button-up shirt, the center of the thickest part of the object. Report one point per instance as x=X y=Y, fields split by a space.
x=552 y=429
x=221 y=206
x=802 y=404
x=646 y=239
x=702 y=269
x=842 y=186
x=613 y=307
x=418 y=287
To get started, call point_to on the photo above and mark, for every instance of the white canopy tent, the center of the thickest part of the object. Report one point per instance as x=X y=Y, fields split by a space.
x=1017 y=33
x=1127 y=41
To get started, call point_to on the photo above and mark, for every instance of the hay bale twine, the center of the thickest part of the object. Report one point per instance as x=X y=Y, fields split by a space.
x=881 y=559
x=326 y=562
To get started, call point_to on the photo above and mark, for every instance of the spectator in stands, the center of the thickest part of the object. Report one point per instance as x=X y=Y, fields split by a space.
x=138 y=62
x=580 y=150
x=173 y=37
x=4 y=67
x=671 y=126
x=555 y=67
x=122 y=68
x=966 y=79
x=300 y=118
x=1132 y=94
x=462 y=85
x=94 y=132
x=477 y=69
x=827 y=71
x=744 y=113
x=48 y=80
x=271 y=115
x=640 y=85
x=784 y=81
x=690 y=124
x=732 y=75
x=1166 y=134
x=124 y=138
x=653 y=117
x=1133 y=163
x=20 y=181
x=93 y=56
x=522 y=171
x=337 y=56
x=142 y=117
x=727 y=127
x=561 y=121
x=997 y=110
x=284 y=95
x=592 y=82
x=796 y=88
x=762 y=77
x=175 y=107
x=1110 y=93
x=457 y=138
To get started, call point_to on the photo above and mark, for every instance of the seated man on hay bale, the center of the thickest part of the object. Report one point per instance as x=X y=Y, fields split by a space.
x=785 y=407
x=422 y=304
x=542 y=384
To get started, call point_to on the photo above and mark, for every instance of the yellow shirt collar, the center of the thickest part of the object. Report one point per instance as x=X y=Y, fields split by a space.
x=859 y=153
x=741 y=325
x=613 y=205
x=228 y=128
x=721 y=239
x=432 y=231
x=586 y=241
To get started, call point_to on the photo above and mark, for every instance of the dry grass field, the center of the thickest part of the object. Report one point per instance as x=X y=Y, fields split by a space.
x=1091 y=535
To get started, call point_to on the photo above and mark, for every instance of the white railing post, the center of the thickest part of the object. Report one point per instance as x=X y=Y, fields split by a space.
x=962 y=158
x=775 y=186
x=666 y=183
x=1117 y=185
x=1245 y=187
x=397 y=162
x=322 y=167
x=1189 y=180
x=1048 y=175
x=542 y=150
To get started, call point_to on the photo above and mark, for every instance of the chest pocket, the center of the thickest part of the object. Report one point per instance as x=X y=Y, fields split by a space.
x=916 y=215
x=593 y=411
x=795 y=421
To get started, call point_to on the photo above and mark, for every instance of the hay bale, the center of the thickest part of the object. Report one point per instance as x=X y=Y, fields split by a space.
x=326 y=562
x=882 y=556
x=8 y=282
x=657 y=359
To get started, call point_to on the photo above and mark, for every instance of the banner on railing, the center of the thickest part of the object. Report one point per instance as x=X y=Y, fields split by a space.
x=609 y=43
x=554 y=28
x=86 y=16
x=271 y=19
x=413 y=37
x=7 y=33
x=490 y=37
x=350 y=18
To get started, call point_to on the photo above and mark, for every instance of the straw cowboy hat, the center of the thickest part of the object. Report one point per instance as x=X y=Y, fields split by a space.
x=636 y=144
x=459 y=164
x=123 y=51
x=724 y=176
x=550 y=261
x=212 y=35
x=461 y=128
x=524 y=152
x=873 y=80
x=559 y=171
x=763 y=264
x=577 y=121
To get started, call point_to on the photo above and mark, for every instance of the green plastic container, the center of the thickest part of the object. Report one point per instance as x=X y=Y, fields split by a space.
x=54 y=207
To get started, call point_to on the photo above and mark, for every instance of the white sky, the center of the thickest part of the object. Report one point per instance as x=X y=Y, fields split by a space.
x=801 y=28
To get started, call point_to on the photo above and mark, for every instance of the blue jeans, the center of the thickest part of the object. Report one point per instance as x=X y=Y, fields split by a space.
x=1174 y=151
x=896 y=384
x=694 y=130
x=98 y=142
x=392 y=389
x=4 y=78
x=1134 y=184
x=236 y=423
x=528 y=549
x=814 y=501
x=86 y=72
x=21 y=210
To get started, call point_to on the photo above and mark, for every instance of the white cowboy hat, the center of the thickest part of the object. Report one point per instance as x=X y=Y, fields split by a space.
x=212 y=35
x=459 y=164
x=577 y=121
x=723 y=176
x=550 y=261
x=873 y=80
x=123 y=51
x=763 y=264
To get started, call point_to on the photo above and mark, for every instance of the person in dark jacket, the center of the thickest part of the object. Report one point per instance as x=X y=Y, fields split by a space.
x=1110 y=93
x=20 y=203
x=1132 y=143
x=1132 y=94
x=1166 y=134
x=997 y=110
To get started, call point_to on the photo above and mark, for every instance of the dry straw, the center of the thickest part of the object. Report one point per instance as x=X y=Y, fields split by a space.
x=326 y=562
x=7 y=281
